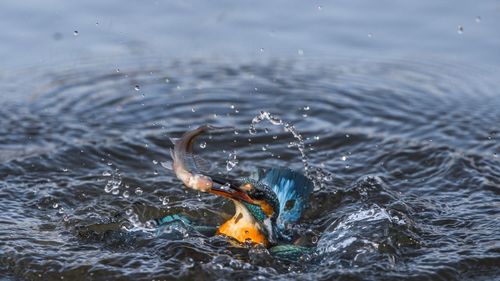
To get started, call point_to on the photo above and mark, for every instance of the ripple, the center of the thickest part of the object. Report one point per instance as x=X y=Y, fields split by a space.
x=410 y=147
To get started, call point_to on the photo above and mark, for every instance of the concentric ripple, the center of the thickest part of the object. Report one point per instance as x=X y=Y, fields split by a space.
x=408 y=154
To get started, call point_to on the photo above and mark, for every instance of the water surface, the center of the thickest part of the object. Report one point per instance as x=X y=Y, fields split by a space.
x=398 y=110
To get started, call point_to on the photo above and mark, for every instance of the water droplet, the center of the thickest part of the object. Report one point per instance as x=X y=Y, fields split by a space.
x=236 y=132
x=252 y=131
x=314 y=239
x=155 y=162
x=193 y=109
x=478 y=19
x=165 y=201
x=232 y=106
x=460 y=29
x=75 y=32
x=300 y=52
x=203 y=144
x=320 y=8
x=117 y=70
x=275 y=137
x=347 y=136
x=106 y=174
x=138 y=191
x=64 y=169
x=137 y=87
x=55 y=205
x=316 y=137
x=115 y=191
x=307 y=108
x=261 y=50
x=264 y=148
x=126 y=194
x=370 y=35
x=344 y=158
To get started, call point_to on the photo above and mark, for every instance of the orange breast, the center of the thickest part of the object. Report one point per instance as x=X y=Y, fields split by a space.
x=243 y=231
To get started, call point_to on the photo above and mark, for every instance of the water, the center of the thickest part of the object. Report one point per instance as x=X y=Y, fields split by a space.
x=400 y=129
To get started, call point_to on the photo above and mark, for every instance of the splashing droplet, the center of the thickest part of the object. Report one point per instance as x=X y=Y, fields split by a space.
x=155 y=162
x=299 y=143
x=203 y=144
x=460 y=29
x=75 y=32
x=138 y=191
x=137 y=87
x=193 y=109
x=126 y=194
x=230 y=165
x=55 y=205
x=328 y=178
x=344 y=158
x=165 y=201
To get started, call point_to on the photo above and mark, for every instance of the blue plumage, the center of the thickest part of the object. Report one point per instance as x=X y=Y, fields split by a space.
x=292 y=189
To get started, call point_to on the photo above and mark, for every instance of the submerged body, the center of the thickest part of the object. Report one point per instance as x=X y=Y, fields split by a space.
x=264 y=206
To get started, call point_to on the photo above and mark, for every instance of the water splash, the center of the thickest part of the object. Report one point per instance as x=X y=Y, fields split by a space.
x=113 y=185
x=232 y=161
x=316 y=175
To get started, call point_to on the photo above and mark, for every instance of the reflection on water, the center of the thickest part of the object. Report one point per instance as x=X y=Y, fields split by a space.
x=410 y=148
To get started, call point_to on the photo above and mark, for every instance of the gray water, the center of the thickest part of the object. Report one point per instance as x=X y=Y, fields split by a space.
x=397 y=103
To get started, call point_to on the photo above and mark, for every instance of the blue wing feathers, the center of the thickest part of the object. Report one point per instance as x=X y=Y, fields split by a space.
x=292 y=189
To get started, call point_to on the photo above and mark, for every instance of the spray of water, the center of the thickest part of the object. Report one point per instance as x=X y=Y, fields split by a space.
x=317 y=176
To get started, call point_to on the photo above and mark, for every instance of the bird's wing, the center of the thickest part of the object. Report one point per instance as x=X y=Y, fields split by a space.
x=292 y=189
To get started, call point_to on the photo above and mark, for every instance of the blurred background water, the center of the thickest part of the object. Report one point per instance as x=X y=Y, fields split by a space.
x=397 y=102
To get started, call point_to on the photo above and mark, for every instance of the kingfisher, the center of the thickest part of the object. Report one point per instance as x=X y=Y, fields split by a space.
x=266 y=204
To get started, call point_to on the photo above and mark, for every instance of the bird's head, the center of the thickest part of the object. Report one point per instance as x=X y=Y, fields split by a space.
x=257 y=209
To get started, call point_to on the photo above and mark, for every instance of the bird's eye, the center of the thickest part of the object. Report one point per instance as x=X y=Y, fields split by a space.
x=289 y=204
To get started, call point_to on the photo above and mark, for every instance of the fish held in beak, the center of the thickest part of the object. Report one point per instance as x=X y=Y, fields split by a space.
x=190 y=177
x=229 y=189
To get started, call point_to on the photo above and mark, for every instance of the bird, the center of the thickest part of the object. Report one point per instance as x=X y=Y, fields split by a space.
x=266 y=204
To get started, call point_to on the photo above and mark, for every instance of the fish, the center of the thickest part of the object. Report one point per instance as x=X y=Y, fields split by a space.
x=181 y=154
x=191 y=177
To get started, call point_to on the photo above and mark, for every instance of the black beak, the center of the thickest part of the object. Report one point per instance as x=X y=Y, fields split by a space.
x=229 y=189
